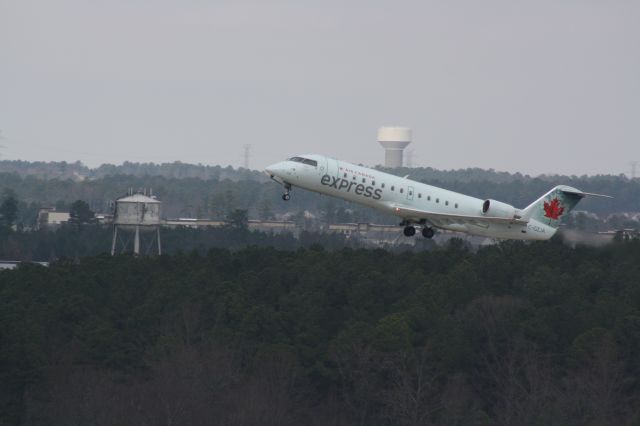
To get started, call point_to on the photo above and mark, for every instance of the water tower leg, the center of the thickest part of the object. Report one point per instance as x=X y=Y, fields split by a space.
x=136 y=242
x=115 y=237
x=159 y=244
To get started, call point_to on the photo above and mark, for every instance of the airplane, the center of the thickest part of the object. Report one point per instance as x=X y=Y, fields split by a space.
x=425 y=206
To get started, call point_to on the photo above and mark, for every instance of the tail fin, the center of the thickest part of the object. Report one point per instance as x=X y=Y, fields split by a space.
x=556 y=203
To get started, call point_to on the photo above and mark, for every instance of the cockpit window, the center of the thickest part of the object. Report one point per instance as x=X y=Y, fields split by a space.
x=302 y=160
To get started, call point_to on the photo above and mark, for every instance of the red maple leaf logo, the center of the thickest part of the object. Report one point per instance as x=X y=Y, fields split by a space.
x=553 y=210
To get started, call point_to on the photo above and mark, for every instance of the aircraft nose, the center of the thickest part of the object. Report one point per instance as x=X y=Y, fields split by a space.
x=276 y=169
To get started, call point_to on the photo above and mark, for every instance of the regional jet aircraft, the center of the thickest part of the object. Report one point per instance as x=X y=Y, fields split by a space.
x=424 y=206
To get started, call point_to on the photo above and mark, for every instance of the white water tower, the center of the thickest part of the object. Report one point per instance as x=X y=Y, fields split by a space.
x=137 y=214
x=394 y=140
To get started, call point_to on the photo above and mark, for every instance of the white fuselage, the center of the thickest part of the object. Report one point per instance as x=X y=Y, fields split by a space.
x=386 y=192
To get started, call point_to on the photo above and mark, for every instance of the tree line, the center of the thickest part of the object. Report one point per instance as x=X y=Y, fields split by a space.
x=77 y=171
x=77 y=240
x=215 y=198
x=513 y=334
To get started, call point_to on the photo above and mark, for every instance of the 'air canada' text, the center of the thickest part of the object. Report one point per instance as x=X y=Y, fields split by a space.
x=359 y=189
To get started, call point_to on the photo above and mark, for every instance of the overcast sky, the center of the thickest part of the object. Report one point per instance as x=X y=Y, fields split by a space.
x=544 y=86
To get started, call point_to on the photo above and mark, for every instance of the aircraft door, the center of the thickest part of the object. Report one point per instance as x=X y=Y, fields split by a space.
x=331 y=167
x=410 y=193
x=322 y=166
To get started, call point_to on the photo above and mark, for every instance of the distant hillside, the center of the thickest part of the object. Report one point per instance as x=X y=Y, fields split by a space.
x=210 y=191
x=79 y=172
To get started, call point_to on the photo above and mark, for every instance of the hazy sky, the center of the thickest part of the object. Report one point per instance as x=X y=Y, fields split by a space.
x=544 y=86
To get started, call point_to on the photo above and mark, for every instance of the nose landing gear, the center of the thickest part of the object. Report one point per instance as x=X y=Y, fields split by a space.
x=287 y=189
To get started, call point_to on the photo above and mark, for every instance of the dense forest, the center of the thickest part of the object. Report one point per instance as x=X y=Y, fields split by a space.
x=72 y=241
x=513 y=334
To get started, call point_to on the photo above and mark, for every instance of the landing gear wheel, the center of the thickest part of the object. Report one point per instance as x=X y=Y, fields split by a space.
x=409 y=231
x=428 y=232
x=286 y=196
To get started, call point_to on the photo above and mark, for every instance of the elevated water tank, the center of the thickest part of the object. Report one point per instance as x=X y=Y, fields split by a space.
x=394 y=140
x=138 y=213
x=138 y=210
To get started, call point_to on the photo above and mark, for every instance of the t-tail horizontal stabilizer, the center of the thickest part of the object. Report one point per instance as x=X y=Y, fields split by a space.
x=559 y=201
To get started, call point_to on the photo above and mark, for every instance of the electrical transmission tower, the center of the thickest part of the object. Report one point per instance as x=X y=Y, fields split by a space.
x=1 y=138
x=634 y=166
x=247 y=154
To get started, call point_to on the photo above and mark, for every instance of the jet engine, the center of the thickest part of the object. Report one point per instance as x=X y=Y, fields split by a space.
x=495 y=208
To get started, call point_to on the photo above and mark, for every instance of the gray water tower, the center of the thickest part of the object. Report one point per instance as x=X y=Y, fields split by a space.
x=394 y=140
x=137 y=213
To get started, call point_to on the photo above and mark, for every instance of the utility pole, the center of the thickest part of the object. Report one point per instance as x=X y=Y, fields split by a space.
x=634 y=166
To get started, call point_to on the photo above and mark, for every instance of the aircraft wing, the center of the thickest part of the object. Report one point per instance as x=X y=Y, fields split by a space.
x=444 y=219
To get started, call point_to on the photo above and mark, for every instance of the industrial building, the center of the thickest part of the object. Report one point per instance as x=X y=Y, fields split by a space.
x=274 y=226
x=48 y=216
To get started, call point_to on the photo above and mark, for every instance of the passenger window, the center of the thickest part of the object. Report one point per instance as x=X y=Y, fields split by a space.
x=401 y=190
x=364 y=180
x=428 y=197
x=437 y=200
x=382 y=186
x=345 y=175
x=446 y=203
x=393 y=188
x=373 y=183
x=419 y=195
x=456 y=205
x=354 y=177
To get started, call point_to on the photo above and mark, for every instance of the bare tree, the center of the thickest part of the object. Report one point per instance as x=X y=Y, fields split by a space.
x=460 y=404
x=358 y=365
x=266 y=396
x=519 y=375
x=593 y=388
x=412 y=397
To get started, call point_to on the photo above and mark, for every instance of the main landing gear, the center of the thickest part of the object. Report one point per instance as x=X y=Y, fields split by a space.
x=287 y=189
x=410 y=231
x=428 y=232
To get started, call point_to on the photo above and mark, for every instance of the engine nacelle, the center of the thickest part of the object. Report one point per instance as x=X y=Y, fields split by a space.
x=495 y=208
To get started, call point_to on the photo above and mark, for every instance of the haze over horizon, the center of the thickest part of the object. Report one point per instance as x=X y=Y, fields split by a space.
x=543 y=87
